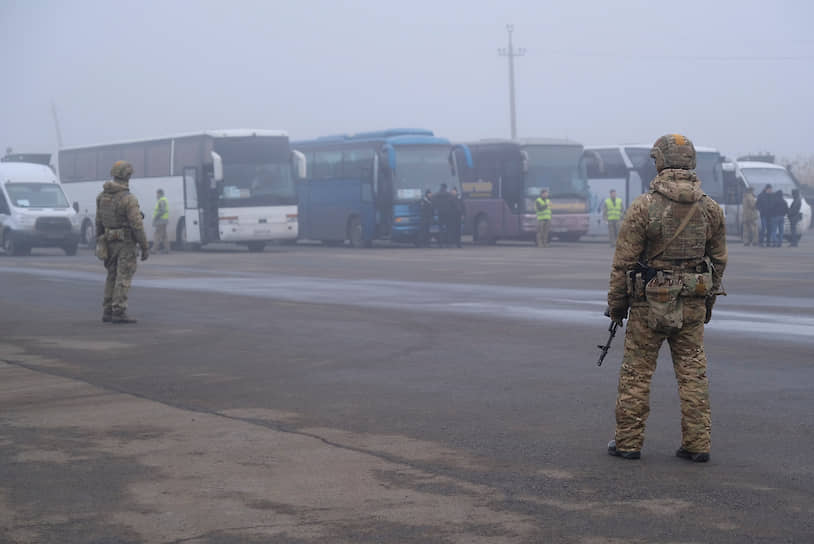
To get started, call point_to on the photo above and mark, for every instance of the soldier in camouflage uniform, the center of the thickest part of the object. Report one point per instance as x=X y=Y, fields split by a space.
x=678 y=232
x=119 y=225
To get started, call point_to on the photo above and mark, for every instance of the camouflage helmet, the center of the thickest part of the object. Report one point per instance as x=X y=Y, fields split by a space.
x=121 y=170
x=673 y=151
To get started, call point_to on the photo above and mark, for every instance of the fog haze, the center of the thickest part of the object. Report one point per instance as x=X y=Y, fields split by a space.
x=734 y=75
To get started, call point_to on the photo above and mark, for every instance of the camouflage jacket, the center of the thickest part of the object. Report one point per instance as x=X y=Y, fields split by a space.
x=643 y=232
x=117 y=207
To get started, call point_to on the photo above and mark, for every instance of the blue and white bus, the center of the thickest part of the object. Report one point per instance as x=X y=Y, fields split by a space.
x=222 y=186
x=367 y=186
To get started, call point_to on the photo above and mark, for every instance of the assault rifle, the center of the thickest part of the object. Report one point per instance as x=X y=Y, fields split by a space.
x=612 y=330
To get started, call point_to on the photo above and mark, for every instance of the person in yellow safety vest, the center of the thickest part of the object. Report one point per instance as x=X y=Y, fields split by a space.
x=612 y=213
x=161 y=218
x=543 y=207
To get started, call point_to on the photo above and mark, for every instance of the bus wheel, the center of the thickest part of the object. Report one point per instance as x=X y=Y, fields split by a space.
x=481 y=234
x=87 y=233
x=355 y=232
x=256 y=247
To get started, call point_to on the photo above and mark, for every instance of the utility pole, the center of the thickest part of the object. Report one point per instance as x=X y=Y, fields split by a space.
x=511 y=52
x=56 y=124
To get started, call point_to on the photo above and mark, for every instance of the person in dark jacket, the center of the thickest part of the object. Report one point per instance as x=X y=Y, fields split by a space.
x=445 y=206
x=457 y=217
x=795 y=216
x=426 y=219
x=778 y=210
x=763 y=200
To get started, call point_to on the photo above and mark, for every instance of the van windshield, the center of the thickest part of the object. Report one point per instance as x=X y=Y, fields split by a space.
x=36 y=195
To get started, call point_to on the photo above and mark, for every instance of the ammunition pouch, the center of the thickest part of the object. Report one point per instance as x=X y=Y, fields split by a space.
x=665 y=307
x=698 y=283
x=101 y=248
x=117 y=235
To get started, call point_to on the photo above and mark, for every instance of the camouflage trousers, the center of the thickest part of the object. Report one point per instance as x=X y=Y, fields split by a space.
x=690 y=364
x=750 y=236
x=121 y=266
x=542 y=232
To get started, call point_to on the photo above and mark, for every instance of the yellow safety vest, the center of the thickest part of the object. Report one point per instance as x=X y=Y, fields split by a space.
x=157 y=214
x=614 y=209
x=544 y=214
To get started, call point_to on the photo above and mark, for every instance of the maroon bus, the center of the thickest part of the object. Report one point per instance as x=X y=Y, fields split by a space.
x=506 y=177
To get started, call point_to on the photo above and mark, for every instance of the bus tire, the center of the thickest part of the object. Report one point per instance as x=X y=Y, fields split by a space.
x=70 y=249
x=256 y=247
x=355 y=232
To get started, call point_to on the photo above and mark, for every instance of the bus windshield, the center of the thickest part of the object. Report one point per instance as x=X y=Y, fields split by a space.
x=643 y=164
x=256 y=172
x=778 y=178
x=36 y=195
x=419 y=168
x=709 y=171
x=557 y=168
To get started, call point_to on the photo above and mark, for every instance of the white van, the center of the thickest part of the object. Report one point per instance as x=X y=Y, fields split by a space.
x=758 y=174
x=34 y=211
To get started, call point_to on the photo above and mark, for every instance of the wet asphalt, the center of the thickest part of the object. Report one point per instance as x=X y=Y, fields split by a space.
x=483 y=356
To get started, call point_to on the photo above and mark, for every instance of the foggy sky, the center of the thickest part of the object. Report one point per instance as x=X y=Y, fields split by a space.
x=734 y=75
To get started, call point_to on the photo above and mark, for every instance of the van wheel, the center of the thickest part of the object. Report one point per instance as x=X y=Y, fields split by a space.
x=14 y=248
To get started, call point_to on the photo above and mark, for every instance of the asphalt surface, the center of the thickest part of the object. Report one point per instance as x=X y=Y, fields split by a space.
x=313 y=394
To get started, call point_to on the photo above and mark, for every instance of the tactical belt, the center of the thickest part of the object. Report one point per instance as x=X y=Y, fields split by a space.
x=121 y=234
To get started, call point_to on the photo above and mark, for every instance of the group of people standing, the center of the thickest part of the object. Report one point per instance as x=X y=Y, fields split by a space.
x=771 y=208
x=448 y=207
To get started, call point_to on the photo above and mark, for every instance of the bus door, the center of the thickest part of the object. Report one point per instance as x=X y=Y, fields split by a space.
x=384 y=190
x=192 y=215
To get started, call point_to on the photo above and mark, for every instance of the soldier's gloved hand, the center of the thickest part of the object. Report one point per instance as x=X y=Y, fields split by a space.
x=710 y=302
x=617 y=315
x=145 y=252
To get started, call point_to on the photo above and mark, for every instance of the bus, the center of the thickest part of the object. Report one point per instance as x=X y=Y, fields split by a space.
x=500 y=188
x=234 y=186
x=629 y=169
x=367 y=186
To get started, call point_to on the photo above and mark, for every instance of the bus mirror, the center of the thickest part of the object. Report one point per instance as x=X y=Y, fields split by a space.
x=217 y=167
x=298 y=162
x=76 y=207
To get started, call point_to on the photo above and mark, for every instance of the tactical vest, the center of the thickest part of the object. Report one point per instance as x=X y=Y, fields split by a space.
x=157 y=212
x=545 y=214
x=665 y=218
x=614 y=209
x=113 y=215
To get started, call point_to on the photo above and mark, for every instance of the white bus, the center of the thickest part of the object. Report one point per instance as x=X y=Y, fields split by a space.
x=222 y=186
x=629 y=169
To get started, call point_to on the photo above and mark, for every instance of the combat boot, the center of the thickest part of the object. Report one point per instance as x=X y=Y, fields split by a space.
x=121 y=317
x=621 y=453
x=695 y=457
x=107 y=316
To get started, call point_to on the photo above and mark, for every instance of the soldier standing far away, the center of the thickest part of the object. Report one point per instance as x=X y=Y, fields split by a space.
x=749 y=217
x=667 y=270
x=119 y=225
